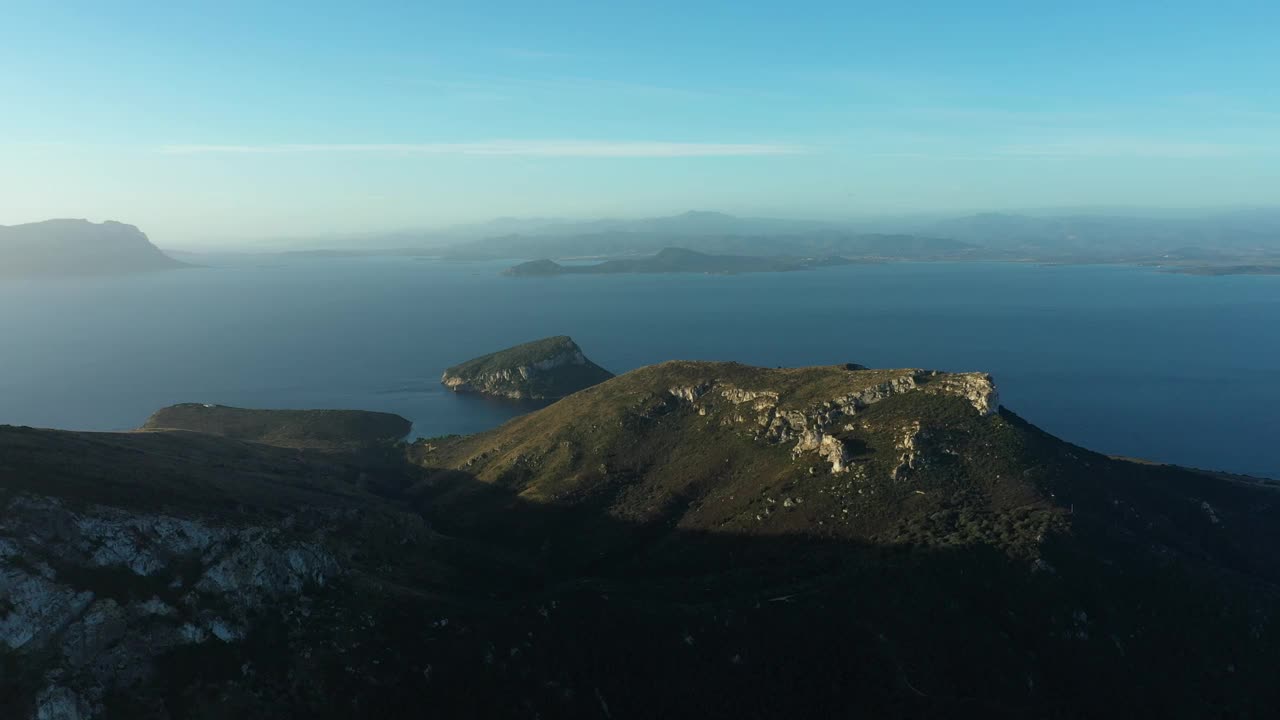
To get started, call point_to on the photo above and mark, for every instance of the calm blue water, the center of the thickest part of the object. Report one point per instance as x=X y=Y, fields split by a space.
x=1174 y=368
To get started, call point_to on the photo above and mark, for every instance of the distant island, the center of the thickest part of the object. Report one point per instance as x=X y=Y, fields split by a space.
x=1226 y=270
x=678 y=260
x=1221 y=243
x=712 y=233
x=78 y=247
x=544 y=369
x=1245 y=242
x=1065 y=235
x=313 y=429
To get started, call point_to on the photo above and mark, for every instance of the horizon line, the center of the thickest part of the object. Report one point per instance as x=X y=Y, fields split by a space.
x=526 y=148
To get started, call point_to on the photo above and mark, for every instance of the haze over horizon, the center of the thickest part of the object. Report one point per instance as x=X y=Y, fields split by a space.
x=217 y=125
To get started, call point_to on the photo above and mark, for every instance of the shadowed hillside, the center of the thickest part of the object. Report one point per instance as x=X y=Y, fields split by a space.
x=689 y=539
x=286 y=428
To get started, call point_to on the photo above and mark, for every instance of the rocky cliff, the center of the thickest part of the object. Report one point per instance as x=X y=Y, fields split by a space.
x=104 y=592
x=541 y=370
x=817 y=428
x=142 y=560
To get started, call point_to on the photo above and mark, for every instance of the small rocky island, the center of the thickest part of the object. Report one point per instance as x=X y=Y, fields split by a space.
x=545 y=369
x=312 y=429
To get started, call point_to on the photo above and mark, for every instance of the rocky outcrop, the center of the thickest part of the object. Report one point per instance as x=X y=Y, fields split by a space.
x=541 y=370
x=909 y=445
x=977 y=388
x=829 y=448
x=98 y=593
x=497 y=382
x=813 y=429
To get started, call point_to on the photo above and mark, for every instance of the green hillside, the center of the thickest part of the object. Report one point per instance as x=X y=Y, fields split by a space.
x=287 y=428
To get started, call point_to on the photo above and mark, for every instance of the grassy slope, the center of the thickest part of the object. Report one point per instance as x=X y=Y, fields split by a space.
x=564 y=380
x=286 y=428
x=627 y=446
x=628 y=449
x=514 y=357
x=180 y=472
x=1057 y=579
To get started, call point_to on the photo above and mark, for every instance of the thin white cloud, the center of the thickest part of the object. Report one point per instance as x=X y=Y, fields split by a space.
x=1126 y=148
x=519 y=148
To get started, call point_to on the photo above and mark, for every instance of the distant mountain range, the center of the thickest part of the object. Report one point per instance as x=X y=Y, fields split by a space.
x=678 y=260
x=619 y=244
x=705 y=232
x=1176 y=239
x=1063 y=232
x=1236 y=234
x=1213 y=242
x=694 y=222
x=78 y=247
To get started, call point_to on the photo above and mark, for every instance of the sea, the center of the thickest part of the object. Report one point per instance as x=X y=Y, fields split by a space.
x=1123 y=360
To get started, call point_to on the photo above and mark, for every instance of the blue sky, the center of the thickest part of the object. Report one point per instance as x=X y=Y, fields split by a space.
x=233 y=120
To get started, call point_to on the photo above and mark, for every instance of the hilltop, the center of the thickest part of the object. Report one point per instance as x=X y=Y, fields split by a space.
x=893 y=530
x=285 y=428
x=78 y=247
x=544 y=369
x=825 y=451
x=690 y=538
